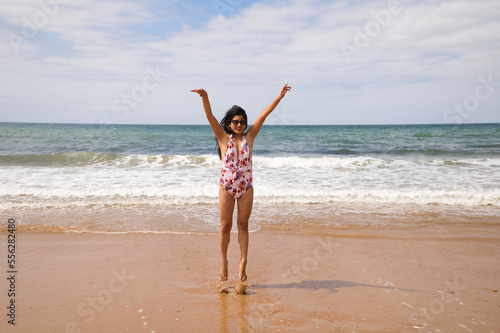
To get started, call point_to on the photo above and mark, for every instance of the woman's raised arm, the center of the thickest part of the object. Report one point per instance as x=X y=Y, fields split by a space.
x=254 y=130
x=216 y=128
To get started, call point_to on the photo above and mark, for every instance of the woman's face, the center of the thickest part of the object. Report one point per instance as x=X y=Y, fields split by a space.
x=238 y=124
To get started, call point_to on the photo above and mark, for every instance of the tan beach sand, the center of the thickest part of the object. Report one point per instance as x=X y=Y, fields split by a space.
x=429 y=280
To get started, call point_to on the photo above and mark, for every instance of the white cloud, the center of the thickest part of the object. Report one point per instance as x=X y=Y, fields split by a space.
x=410 y=67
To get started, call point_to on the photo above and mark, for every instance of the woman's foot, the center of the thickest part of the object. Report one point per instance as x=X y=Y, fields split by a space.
x=223 y=271
x=241 y=288
x=221 y=288
x=243 y=270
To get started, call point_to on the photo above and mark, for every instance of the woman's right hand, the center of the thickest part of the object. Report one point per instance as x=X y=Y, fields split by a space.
x=201 y=92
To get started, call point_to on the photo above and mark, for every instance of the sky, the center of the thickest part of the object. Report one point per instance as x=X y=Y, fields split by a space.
x=348 y=62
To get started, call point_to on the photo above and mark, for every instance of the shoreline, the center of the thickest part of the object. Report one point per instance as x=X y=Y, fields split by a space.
x=328 y=218
x=365 y=280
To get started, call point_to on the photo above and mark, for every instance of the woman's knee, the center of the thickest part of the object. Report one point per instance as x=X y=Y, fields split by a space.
x=243 y=224
x=226 y=227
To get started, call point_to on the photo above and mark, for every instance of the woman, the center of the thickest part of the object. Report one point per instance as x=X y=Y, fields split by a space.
x=235 y=151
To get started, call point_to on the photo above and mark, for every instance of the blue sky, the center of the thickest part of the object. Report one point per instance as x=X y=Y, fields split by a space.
x=348 y=62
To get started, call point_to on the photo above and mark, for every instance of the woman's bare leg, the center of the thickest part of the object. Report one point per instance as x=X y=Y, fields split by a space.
x=245 y=203
x=226 y=206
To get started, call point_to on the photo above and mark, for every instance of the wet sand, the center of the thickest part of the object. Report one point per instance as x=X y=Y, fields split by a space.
x=432 y=279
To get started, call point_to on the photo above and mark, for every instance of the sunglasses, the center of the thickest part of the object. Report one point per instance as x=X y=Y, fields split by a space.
x=238 y=122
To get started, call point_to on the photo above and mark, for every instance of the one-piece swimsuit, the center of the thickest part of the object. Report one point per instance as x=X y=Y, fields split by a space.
x=236 y=175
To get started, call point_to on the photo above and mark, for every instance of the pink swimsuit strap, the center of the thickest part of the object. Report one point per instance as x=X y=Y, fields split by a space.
x=236 y=173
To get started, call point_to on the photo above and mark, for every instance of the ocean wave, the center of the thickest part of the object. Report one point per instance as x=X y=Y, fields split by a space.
x=343 y=151
x=94 y=180
x=347 y=160
x=387 y=196
x=428 y=135
x=356 y=162
x=487 y=146
x=59 y=159
x=340 y=157
x=78 y=159
x=179 y=196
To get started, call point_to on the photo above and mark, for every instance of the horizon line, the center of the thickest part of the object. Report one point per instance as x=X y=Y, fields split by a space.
x=276 y=125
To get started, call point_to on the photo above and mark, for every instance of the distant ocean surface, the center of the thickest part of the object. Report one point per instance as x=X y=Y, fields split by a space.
x=86 y=167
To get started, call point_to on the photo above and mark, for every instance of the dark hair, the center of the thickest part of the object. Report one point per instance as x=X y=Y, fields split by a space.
x=225 y=123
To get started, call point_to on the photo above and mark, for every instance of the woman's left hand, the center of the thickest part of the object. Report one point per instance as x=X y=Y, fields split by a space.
x=285 y=89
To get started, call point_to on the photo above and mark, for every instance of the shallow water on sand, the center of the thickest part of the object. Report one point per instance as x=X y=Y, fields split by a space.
x=204 y=219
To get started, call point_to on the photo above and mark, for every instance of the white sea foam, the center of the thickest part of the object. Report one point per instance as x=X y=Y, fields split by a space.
x=193 y=179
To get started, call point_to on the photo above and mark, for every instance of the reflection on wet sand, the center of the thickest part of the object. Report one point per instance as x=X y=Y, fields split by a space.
x=233 y=310
x=223 y=314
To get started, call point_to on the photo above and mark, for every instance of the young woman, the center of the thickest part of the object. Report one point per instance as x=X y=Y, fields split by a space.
x=235 y=150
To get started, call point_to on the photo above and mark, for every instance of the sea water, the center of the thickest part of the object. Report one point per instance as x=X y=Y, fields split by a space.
x=175 y=169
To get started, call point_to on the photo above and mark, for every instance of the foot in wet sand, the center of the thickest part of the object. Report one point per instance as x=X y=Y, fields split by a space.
x=221 y=288
x=243 y=270
x=223 y=271
x=241 y=288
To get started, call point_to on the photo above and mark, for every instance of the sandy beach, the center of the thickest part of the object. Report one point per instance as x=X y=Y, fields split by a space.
x=432 y=279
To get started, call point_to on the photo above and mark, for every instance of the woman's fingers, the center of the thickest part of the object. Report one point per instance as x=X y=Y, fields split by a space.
x=285 y=89
x=201 y=92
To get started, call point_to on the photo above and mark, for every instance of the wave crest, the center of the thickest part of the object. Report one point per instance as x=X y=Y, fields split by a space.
x=104 y=159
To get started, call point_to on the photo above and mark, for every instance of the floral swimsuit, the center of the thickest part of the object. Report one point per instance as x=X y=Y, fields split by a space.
x=236 y=176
